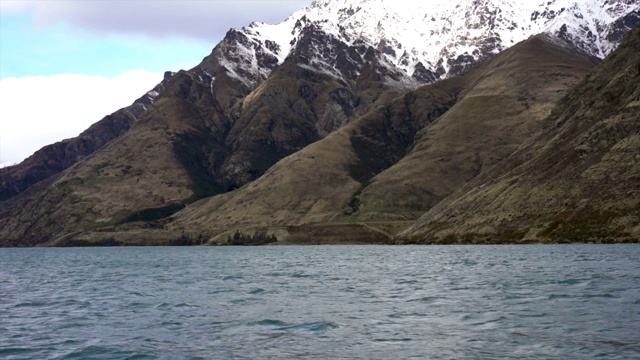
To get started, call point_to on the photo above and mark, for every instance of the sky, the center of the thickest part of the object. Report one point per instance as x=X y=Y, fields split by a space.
x=65 y=64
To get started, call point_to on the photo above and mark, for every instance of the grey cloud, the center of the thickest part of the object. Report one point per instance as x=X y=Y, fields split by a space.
x=200 y=19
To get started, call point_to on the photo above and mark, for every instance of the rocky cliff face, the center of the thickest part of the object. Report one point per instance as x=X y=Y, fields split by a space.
x=270 y=91
x=424 y=42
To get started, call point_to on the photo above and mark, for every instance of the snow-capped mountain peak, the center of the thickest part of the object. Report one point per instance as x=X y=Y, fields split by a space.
x=426 y=41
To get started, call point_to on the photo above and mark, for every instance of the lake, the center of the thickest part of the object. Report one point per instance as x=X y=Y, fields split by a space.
x=318 y=302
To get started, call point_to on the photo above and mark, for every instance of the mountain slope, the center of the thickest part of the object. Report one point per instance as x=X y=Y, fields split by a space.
x=205 y=134
x=378 y=163
x=501 y=106
x=340 y=78
x=579 y=180
x=342 y=38
x=52 y=159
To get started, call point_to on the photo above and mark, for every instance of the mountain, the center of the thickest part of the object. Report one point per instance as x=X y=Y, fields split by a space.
x=577 y=180
x=427 y=41
x=52 y=159
x=400 y=159
x=322 y=118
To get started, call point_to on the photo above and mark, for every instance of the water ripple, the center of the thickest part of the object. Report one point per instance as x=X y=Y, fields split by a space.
x=356 y=302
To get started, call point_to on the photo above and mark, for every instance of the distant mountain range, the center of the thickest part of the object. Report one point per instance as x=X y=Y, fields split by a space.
x=363 y=121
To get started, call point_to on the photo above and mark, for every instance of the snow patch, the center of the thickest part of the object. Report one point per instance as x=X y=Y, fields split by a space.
x=435 y=33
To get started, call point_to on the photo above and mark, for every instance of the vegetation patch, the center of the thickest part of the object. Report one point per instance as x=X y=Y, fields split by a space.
x=506 y=237
x=110 y=241
x=260 y=237
x=334 y=233
x=194 y=151
x=580 y=226
x=186 y=239
x=513 y=234
x=380 y=144
x=154 y=213
x=354 y=204
x=97 y=181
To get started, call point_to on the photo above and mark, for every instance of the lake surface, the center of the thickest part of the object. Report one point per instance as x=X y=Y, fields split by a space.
x=318 y=302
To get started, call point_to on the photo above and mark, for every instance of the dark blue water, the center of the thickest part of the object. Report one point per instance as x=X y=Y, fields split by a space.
x=357 y=302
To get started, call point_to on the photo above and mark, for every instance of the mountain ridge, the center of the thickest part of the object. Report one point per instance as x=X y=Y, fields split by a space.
x=213 y=132
x=53 y=159
x=467 y=31
x=343 y=187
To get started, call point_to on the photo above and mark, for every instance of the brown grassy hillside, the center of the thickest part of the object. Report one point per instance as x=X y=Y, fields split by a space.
x=398 y=160
x=577 y=180
x=501 y=105
x=200 y=138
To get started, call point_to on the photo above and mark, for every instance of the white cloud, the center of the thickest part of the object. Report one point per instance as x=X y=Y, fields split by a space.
x=39 y=110
x=14 y=6
x=202 y=19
